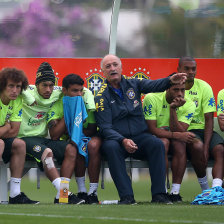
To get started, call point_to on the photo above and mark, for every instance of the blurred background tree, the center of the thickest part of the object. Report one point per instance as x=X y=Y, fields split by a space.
x=80 y=28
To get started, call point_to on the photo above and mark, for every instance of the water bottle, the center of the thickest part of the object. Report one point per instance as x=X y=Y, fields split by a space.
x=108 y=202
x=64 y=187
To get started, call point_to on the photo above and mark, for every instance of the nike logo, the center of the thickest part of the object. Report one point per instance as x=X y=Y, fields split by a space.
x=112 y=101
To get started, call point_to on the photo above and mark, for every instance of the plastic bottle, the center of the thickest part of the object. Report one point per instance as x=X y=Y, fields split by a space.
x=64 y=188
x=109 y=202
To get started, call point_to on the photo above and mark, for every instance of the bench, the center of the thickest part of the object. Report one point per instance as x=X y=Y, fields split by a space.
x=130 y=163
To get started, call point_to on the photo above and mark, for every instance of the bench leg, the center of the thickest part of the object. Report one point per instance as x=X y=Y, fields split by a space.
x=3 y=184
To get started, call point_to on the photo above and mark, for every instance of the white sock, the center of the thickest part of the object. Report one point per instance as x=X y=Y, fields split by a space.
x=81 y=184
x=93 y=188
x=217 y=182
x=56 y=182
x=203 y=183
x=175 y=189
x=15 y=184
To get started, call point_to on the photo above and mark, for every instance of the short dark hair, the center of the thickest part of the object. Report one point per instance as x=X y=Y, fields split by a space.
x=185 y=58
x=72 y=79
x=13 y=74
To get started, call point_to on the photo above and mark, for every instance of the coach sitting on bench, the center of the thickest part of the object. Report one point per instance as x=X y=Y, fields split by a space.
x=120 y=119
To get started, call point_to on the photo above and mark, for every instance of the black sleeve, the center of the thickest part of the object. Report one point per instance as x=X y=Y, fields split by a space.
x=153 y=86
x=103 y=117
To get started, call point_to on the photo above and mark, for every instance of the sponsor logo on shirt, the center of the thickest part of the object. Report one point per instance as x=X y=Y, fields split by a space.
x=220 y=106
x=193 y=93
x=211 y=102
x=100 y=106
x=78 y=119
x=148 y=109
x=40 y=115
x=84 y=148
x=136 y=103
x=189 y=116
x=20 y=113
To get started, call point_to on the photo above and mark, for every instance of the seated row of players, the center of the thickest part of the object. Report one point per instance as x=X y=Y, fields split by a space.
x=182 y=117
x=186 y=129
x=24 y=114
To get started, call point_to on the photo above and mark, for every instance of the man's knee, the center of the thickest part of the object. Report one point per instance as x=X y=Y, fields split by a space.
x=111 y=147
x=94 y=146
x=179 y=148
x=218 y=151
x=2 y=147
x=196 y=147
x=19 y=146
x=166 y=143
x=71 y=151
x=155 y=146
x=47 y=158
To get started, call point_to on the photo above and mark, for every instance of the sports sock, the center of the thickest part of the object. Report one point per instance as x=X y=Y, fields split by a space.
x=203 y=183
x=15 y=184
x=175 y=189
x=217 y=182
x=81 y=184
x=93 y=188
x=56 y=182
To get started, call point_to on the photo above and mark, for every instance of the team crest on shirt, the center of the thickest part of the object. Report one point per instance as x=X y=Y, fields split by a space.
x=36 y=148
x=94 y=81
x=8 y=115
x=196 y=102
x=140 y=73
x=131 y=94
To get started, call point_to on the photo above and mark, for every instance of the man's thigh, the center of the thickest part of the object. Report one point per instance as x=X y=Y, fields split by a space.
x=35 y=147
x=215 y=140
x=58 y=148
x=146 y=143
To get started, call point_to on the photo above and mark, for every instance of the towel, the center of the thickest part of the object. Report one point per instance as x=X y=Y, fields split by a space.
x=74 y=115
x=212 y=196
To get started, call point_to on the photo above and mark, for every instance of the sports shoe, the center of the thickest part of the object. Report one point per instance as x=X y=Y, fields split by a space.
x=127 y=200
x=162 y=198
x=92 y=198
x=83 y=196
x=22 y=199
x=175 y=197
x=72 y=199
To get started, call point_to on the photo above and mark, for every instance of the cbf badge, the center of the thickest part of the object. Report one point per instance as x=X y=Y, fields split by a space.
x=131 y=94
x=94 y=81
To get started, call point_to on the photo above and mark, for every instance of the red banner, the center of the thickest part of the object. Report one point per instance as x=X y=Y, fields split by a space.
x=210 y=70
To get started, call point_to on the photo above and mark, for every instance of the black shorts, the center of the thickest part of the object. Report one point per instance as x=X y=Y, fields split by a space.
x=215 y=140
x=6 y=156
x=35 y=147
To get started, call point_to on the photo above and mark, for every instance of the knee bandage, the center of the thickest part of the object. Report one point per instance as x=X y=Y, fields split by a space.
x=48 y=162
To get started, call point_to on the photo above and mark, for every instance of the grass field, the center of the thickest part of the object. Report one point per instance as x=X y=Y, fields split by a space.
x=143 y=212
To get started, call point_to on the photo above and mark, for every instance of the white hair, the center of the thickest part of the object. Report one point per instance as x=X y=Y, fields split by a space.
x=101 y=63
